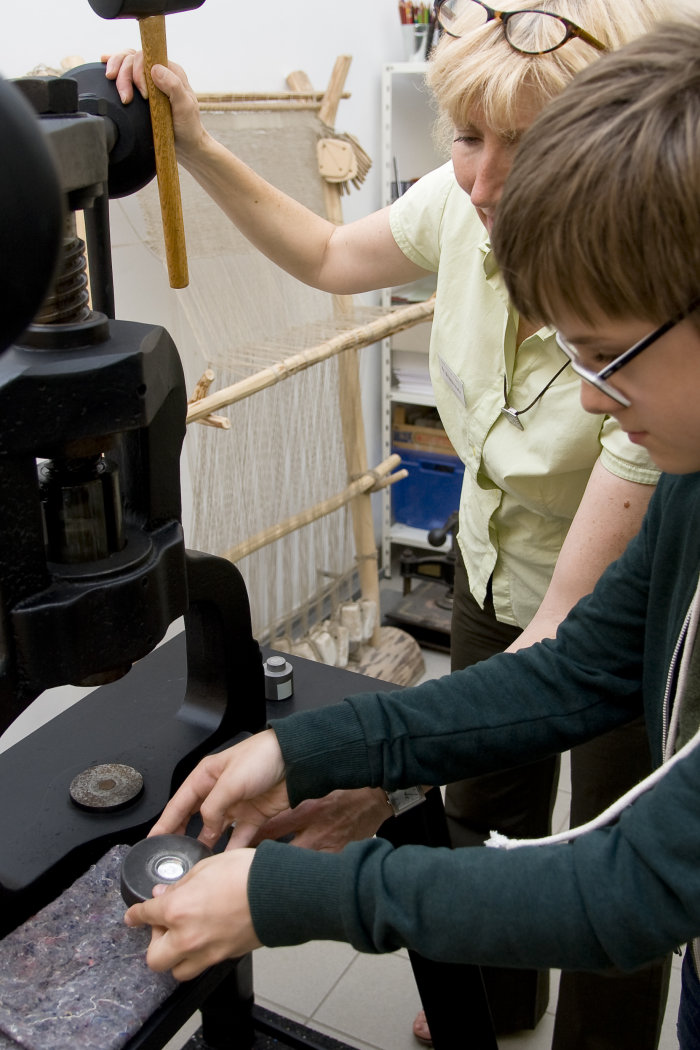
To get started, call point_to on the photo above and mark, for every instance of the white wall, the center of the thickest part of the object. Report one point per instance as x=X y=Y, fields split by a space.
x=226 y=46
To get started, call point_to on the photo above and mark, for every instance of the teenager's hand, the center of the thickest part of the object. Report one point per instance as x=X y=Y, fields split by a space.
x=244 y=785
x=202 y=919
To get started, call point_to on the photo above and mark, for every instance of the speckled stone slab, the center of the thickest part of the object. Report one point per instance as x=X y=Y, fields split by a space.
x=74 y=976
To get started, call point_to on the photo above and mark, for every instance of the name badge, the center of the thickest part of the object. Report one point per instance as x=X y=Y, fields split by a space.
x=453 y=381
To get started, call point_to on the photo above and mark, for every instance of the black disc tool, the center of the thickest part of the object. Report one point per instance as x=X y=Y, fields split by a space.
x=160 y=859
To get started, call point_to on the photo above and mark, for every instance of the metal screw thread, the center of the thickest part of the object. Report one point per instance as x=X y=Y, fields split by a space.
x=68 y=301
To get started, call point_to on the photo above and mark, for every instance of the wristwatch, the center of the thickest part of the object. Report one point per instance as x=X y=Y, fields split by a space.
x=404 y=799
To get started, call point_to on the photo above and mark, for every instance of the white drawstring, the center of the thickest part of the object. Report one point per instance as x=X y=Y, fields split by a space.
x=498 y=841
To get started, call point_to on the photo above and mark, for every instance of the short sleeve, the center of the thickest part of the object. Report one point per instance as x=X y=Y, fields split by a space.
x=416 y=217
x=622 y=458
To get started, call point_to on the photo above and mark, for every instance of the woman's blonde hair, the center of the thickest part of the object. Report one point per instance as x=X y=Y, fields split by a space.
x=481 y=73
x=600 y=213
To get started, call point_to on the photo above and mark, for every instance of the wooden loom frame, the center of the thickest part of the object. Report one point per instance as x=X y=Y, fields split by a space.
x=362 y=480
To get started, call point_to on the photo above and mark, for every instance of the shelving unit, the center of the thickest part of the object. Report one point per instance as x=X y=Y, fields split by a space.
x=408 y=151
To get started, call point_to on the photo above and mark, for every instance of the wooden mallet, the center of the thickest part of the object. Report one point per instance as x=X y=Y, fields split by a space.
x=150 y=15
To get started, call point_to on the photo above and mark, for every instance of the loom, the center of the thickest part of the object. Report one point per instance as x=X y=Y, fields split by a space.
x=94 y=569
x=279 y=363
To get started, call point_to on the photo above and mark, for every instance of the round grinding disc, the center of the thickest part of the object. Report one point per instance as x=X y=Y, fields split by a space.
x=106 y=787
x=161 y=859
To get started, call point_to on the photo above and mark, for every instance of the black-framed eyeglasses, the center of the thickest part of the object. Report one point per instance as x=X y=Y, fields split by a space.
x=530 y=32
x=600 y=379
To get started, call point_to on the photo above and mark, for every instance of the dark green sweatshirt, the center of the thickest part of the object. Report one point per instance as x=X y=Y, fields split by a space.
x=621 y=895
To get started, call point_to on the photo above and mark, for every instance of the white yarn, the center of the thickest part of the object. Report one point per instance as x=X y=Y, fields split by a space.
x=498 y=841
x=351 y=619
x=688 y=635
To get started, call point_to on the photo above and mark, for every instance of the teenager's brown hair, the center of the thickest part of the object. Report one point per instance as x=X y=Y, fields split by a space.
x=601 y=210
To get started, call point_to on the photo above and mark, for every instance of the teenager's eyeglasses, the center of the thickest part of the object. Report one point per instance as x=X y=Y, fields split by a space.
x=530 y=32
x=599 y=379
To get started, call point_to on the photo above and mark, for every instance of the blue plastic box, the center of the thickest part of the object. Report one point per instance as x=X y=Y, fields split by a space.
x=430 y=493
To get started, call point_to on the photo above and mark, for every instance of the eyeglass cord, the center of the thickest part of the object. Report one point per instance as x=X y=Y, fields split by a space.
x=513 y=414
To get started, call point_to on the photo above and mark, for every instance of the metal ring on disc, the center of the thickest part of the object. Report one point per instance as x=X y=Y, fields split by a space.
x=160 y=859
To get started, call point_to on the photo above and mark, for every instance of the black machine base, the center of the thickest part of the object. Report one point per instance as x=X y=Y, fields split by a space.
x=273 y=1032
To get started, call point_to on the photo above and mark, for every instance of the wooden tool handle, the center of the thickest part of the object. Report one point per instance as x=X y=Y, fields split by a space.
x=155 y=52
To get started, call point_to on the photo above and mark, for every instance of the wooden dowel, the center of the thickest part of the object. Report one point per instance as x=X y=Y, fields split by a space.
x=366 y=483
x=355 y=339
x=202 y=388
x=334 y=91
x=391 y=480
x=235 y=107
x=265 y=96
x=219 y=422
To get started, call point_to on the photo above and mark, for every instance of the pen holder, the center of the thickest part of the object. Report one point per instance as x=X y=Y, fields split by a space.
x=415 y=39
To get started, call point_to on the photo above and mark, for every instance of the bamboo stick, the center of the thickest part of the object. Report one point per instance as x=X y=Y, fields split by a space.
x=334 y=92
x=200 y=391
x=391 y=480
x=303 y=99
x=363 y=335
x=203 y=383
x=219 y=422
x=272 y=106
x=350 y=396
x=366 y=484
x=265 y=96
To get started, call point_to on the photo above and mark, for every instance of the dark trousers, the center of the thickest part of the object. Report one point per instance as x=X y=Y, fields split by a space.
x=689 y=1010
x=611 y=1011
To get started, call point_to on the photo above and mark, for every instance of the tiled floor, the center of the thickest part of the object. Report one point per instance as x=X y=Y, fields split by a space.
x=365 y=1001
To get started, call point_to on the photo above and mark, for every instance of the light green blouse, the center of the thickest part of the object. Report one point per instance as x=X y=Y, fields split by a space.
x=521 y=487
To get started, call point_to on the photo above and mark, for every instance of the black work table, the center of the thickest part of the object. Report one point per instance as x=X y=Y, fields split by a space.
x=140 y=721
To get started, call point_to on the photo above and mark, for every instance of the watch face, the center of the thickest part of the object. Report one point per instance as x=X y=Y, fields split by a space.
x=405 y=798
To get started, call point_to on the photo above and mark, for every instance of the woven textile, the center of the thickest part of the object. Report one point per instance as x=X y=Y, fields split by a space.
x=74 y=976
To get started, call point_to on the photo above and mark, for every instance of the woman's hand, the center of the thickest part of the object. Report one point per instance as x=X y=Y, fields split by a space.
x=328 y=824
x=126 y=69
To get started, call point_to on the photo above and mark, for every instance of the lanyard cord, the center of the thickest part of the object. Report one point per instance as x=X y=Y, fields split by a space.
x=513 y=414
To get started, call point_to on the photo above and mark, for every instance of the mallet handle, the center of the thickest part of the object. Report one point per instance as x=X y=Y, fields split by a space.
x=155 y=52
